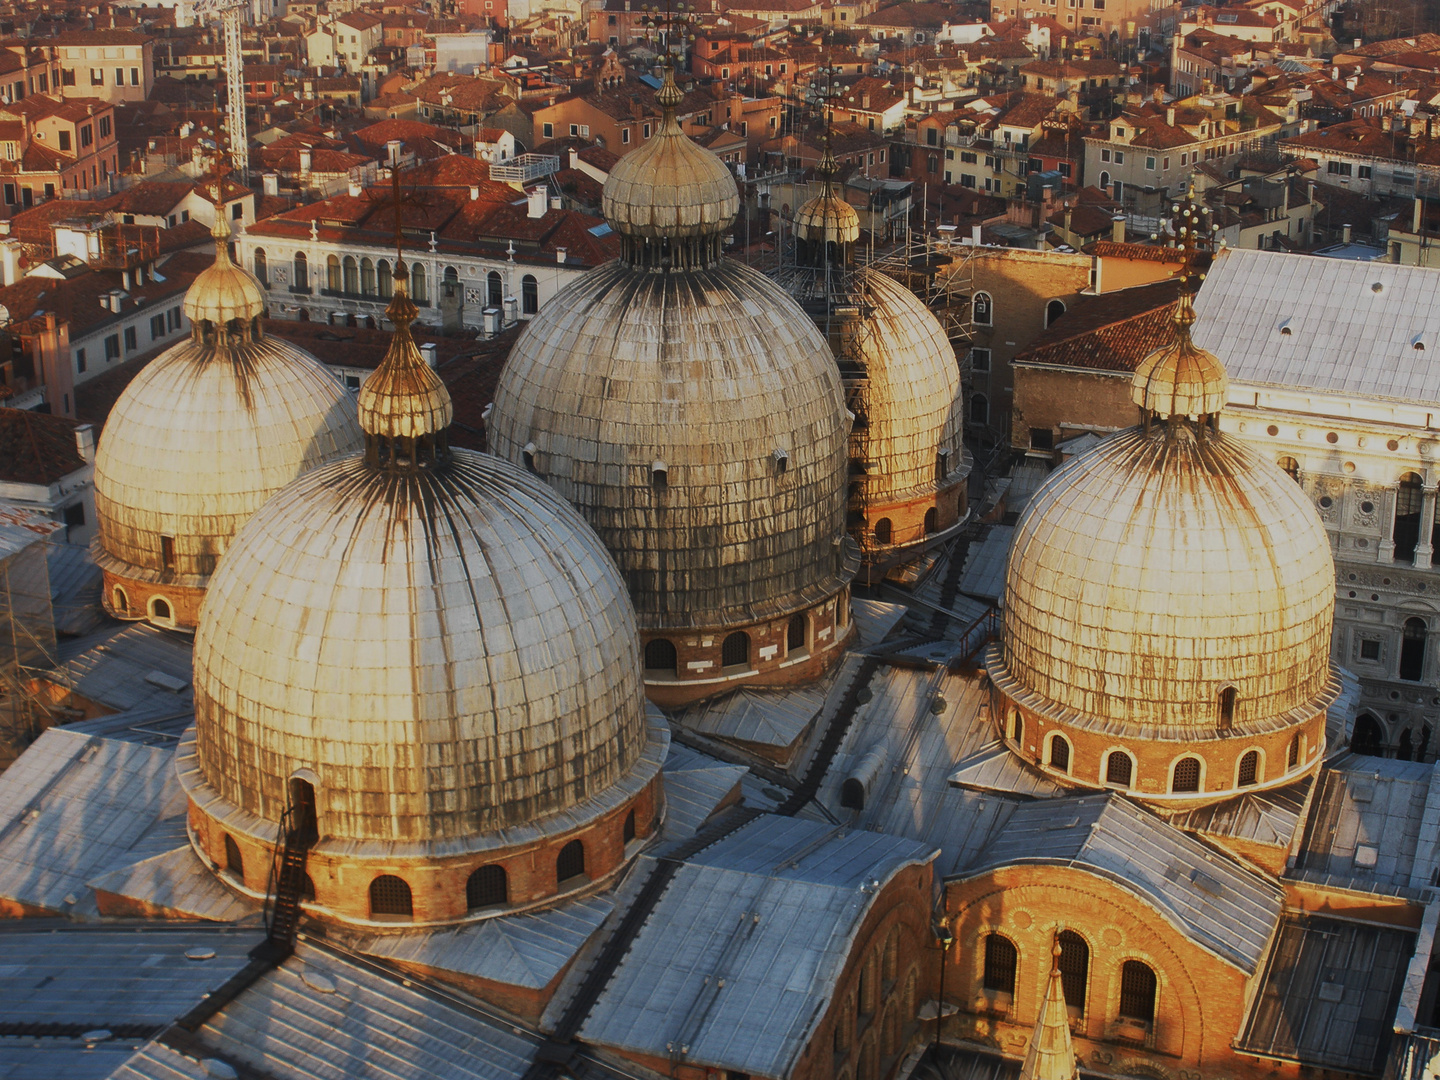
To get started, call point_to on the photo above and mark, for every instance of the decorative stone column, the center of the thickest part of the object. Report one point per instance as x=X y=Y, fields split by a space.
x=1387 y=527
x=1424 y=550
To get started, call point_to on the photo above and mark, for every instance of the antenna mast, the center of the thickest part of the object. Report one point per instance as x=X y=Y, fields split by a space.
x=228 y=12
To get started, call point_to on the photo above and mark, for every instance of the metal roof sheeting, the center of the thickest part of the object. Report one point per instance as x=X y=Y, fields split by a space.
x=740 y=957
x=1212 y=898
x=322 y=1014
x=1345 y=336
x=517 y=950
x=1329 y=993
x=73 y=806
x=1366 y=822
x=109 y=977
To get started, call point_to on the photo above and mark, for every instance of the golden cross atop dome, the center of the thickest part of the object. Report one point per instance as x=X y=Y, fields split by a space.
x=1194 y=234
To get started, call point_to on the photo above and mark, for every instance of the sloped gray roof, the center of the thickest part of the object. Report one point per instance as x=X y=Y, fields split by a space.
x=767 y=717
x=73 y=806
x=1267 y=817
x=113 y=977
x=1329 y=993
x=321 y=1014
x=114 y=672
x=994 y=768
x=1345 y=336
x=1209 y=896
x=695 y=784
x=1365 y=823
x=771 y=911
x=177 y=881
x=985 y=564
x=874 y=619
x=517 y=950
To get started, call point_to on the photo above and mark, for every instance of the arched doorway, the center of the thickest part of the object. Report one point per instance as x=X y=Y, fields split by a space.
x=303 y=820
x=1367 y=736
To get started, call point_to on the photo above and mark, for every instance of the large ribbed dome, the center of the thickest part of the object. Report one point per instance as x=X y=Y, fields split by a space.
x=1151 y=573
x=436 y=636
x=698 y=423
x=449 y=651
x=206 y=433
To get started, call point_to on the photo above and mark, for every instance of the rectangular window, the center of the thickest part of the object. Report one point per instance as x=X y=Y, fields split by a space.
x=104 y=126
x=97 y=77
x=980 y=359
x=967 y=180
x=87 y=135
x=134 y=76
x=1042 y=438
x=167 y=552
x=574 y=129
x=1150 y=164
x=548 y=130
x=967 y=157
x=1364 y=172
x=130 y=339
x=625 y=136
x=157 y=327
x=1104 y=155
x=67 y=77
x=1119 y=157
x=1369 y=649
x=80 y=361
x=112 y=347
x=237 y=211
x=645 y=131
x=64 y=140
x=1165 y=165
x=172 y=319
x=119 y=76
x=1065 y=169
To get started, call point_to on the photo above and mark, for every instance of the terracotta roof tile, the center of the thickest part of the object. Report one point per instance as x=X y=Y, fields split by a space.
x=1111 y=332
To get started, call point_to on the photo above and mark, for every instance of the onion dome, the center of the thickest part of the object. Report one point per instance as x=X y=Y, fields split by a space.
x=670 y=186
x=404 y=398
x=435 y=635
x=223 y=291
x=690 y=410
x=1160 y=568
x=204 y=435
x=827 y=217
x=1181 y=379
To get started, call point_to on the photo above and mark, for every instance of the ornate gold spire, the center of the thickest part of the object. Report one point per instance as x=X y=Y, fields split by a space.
x=223 y=292
x=405 y=409
x=1180 y=379
x=1051 y=1055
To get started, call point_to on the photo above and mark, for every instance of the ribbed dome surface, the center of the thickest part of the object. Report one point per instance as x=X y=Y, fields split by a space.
x=670 y=187
x=703 y=375
x=201 y=438
x=827 y=217
x=1152 y=572
x=911 y=396
x=404 y=398
x=449 y=649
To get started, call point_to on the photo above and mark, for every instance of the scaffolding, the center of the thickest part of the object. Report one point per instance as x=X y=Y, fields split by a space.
x=29 y=701
x=939 y=269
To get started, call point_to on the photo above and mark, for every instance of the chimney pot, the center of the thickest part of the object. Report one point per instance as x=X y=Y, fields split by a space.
x=474 y=192
x=1117 y=228
x=560 y=254
x=356 y=189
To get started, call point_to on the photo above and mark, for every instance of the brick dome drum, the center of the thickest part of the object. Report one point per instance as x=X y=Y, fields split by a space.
x=1156 y=571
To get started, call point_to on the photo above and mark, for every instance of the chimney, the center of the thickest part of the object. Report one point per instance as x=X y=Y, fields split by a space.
x=1117 y=228
x=356 y=189
x=1345 y=234
x=1170 y=117
x=85 y=443
x=554 y=202
x=560 y=254
x=474 y=192
x=272 y=183
x=430 y=353
x=305 y=162
x=392 y=151
x=117 y=298
x=125 y=279
x=539 y=202
x=1415 y=218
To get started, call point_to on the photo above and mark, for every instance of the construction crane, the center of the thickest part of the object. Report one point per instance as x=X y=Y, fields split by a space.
x=228 y=12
